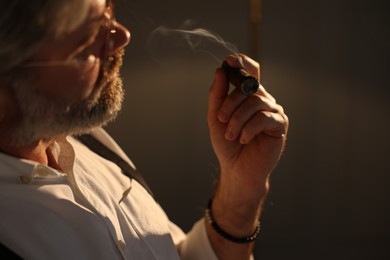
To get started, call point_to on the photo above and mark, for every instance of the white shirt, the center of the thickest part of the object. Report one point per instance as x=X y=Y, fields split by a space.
x=89 y=211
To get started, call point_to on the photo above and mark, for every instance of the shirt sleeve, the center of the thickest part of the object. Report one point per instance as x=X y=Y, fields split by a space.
x=196 y=245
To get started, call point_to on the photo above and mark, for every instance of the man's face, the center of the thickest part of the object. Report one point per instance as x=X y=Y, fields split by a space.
x=71 y=98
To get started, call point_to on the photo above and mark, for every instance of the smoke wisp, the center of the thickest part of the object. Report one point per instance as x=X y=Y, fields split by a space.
x=167 y=43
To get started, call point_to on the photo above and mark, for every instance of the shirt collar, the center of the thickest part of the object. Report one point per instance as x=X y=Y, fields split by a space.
x=17 y=170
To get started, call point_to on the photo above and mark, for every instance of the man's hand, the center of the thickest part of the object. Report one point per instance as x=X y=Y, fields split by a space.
x=248 y=136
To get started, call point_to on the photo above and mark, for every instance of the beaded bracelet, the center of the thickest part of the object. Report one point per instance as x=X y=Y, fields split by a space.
x=227 y=236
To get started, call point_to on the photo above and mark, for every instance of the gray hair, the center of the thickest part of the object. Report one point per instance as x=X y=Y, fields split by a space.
x=25 y=24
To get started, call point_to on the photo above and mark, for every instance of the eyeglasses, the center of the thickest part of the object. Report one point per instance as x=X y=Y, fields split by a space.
x=85 y=55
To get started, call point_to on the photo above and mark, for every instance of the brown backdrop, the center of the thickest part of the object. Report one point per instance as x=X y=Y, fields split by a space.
x=326 y=62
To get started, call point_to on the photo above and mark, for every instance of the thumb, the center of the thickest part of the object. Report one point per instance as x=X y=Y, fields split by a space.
x=217 y=94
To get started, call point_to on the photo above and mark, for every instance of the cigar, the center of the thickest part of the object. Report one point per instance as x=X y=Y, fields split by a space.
x=241 y=79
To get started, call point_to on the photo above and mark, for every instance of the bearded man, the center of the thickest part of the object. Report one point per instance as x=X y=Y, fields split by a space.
x=60 y=198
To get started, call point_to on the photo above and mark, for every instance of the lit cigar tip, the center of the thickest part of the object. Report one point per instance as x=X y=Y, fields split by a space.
x=249 y=86
x=241 y=79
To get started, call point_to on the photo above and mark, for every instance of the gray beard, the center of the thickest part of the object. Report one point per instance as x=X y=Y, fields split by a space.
x=44 y=118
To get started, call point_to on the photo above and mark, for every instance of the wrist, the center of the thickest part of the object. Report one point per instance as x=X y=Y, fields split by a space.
x=241 y=195
x=237 y=218
x=242 y=186
x=226 y=235
x=237 y=203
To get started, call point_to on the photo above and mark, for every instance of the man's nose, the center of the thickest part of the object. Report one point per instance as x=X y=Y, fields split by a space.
x=120 y=38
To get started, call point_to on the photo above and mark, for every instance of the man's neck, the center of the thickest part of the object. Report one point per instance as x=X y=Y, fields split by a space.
x=37 y=152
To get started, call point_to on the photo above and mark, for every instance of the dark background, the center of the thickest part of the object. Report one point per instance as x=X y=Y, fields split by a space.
x=326 y=62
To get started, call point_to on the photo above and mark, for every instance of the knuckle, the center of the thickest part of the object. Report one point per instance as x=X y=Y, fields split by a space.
x=264 y=115
x=256 y=100
x=279 y=109
x=286 y=121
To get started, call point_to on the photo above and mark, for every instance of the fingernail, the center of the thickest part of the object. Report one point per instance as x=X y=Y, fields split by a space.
x=229 y=135
x=243 y=140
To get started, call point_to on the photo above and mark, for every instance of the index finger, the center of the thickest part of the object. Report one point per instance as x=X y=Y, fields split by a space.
x=240 y=60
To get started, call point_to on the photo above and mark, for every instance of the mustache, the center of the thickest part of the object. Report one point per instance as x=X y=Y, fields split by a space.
x=116 y=61
x=111 y=66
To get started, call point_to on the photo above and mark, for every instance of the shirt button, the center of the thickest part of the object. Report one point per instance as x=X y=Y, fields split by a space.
x=121 y=244
x=25 y=179
x=42 y=171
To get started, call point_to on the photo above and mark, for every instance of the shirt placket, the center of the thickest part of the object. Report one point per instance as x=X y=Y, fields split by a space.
x=107 y=217
x=66 y=159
